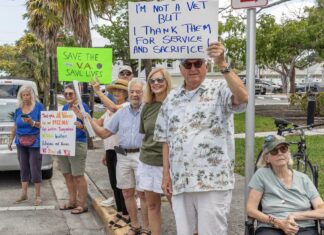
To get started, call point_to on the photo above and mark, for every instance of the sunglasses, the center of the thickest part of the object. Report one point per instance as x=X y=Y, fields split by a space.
x=68 y=93
x=125 y=73
x=282 y=149
x=197 y=64
x=156 y=80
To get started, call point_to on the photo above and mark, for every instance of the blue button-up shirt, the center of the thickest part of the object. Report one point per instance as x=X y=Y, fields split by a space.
x=125 y=123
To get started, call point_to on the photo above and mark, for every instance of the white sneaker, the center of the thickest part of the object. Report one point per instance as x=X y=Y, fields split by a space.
x=138 y=203
x=109 y=202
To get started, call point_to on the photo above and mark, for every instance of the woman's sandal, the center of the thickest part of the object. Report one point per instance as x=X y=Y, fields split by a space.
x=38 y=201
x=21 y=199
x=123 y=219
x=79 y=210
x=134 y=230
x=68 y=206
x=145 y=232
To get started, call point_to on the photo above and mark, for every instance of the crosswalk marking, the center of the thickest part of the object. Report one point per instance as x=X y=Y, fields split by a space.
x=27 y=208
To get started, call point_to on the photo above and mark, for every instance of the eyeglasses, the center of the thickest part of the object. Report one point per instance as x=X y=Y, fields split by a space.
x=282 y=149
x=125 y=73
x=197 y=64
x=156 y=80
x=68 y=93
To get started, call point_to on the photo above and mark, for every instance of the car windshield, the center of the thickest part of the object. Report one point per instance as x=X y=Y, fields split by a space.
x=7 y=111
x=8 y=90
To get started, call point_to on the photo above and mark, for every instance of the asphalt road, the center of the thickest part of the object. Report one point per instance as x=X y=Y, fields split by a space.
x=26 y=219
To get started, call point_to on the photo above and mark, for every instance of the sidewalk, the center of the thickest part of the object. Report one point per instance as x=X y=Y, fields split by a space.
x=99 y=190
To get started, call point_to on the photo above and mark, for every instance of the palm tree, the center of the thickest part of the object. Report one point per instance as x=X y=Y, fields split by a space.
x=45 y=22
x=76 y=16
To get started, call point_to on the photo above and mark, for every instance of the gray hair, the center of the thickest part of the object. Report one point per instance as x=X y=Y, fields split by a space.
x=136 y=81
x=31 y=91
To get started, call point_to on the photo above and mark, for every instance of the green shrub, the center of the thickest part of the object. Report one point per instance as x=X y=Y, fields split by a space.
x=301 y=101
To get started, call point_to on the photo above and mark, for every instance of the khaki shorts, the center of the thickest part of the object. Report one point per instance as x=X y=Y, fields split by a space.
x=74 y=165
x=126 y=171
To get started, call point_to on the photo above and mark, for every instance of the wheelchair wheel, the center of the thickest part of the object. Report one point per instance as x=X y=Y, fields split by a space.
x=305 y=167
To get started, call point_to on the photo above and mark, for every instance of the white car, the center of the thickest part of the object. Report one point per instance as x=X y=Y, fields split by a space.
x=8 y=104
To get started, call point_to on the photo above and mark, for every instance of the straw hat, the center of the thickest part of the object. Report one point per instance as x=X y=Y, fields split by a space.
x=118 y=84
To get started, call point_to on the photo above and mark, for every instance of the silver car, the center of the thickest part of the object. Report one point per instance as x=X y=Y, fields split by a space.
x=8 y=105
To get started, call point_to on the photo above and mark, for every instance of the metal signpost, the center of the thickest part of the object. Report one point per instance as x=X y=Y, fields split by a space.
x=250 y=83
x=240 y=4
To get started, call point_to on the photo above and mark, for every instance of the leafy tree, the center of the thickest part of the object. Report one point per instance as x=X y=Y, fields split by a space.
x=117 y=32
x=315 y=28
x=232 y=33
x=283 y=48
x=27 y=59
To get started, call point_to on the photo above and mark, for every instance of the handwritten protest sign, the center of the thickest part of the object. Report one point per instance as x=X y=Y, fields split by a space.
x=172 y=29
x=57 y=133
x=84 y=64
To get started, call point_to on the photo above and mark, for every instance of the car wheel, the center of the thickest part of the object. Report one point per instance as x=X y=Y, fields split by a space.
x=264 y=92
x=47 y=174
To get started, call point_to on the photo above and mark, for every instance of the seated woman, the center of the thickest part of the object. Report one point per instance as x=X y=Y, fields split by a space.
x=290 y=201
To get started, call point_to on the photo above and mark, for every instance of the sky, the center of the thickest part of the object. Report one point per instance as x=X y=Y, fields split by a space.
x=12 y=24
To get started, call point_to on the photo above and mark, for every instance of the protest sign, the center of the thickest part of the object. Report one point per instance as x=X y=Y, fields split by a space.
x=172 y=29
x=84 y=64
x=57 y=133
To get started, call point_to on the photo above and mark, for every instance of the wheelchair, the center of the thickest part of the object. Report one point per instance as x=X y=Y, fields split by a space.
x=250 y=223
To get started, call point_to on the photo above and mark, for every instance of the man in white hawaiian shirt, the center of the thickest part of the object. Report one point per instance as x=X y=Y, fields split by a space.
x=195 y=124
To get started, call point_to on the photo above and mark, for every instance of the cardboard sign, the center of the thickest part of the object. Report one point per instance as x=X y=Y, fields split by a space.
x=172 y=29
x=84 y=64
x=57 y=133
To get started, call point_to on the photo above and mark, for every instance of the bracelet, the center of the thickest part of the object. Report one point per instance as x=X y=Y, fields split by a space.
x=271 y=220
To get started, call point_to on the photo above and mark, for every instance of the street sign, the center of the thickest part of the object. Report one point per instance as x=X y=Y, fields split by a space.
x=239 y=4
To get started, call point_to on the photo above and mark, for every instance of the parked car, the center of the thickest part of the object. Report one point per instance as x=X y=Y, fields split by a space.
x=8 y=104
x=272 y=87
x=259 y=88
x=311 y=86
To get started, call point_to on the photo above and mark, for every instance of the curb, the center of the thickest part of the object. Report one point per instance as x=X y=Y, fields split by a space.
x=104 y=213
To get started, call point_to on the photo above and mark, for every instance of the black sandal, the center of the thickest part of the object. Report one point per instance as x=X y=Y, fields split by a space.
x=135 y=230
x=115 y=220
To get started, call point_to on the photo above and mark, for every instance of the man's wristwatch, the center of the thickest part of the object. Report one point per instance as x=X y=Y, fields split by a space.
x=227 y=69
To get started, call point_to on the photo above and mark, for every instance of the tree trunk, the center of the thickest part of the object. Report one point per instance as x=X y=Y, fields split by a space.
x=147 y=66
x=292 y=80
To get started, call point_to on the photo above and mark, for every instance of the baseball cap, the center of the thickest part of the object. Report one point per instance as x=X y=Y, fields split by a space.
x=125 y=67
x=272 y=141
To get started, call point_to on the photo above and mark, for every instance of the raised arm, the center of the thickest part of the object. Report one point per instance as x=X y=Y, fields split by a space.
x=216 y=51
x=102 y=132
x=104 y=99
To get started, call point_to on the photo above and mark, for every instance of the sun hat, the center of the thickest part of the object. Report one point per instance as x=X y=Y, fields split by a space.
x=125 y=67
x=121 y=84
x=271 y=142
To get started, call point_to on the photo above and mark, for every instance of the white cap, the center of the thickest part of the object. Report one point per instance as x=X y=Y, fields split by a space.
x=125 y=67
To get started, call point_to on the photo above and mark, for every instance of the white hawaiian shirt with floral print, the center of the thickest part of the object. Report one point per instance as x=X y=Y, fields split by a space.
x=200 y=133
